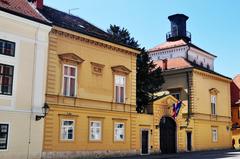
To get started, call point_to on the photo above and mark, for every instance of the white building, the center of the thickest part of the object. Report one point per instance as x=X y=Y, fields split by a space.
x=178 y=45
x=23 y=61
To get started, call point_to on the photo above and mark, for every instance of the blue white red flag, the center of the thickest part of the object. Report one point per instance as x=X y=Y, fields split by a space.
x=176 y=108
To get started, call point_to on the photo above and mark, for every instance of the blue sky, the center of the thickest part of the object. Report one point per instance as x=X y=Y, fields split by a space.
x=214 y=24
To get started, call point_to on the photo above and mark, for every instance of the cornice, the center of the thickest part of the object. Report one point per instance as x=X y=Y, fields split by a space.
x=211 y=75
x=92 y=41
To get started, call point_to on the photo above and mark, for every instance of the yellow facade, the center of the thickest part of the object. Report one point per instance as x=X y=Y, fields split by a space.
x=204 y=121
x=97 y=63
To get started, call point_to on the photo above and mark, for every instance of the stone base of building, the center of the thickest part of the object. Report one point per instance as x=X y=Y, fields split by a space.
x=86 y=154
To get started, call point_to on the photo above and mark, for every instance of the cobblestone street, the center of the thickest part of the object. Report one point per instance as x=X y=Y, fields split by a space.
x=218 y=154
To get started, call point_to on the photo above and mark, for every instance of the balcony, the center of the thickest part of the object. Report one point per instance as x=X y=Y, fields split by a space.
x=173 y=36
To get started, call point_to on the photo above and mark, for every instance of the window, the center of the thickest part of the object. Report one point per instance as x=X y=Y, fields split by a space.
x=119 y=132
x=4 y=136
x=67 y=130
x=6 y=79
x=95 y=131
x=69 y=80
x=176 y=95
x=208 y=66
x=7 y=48
x=120 y=88
x=213 y=104
x=214 y=135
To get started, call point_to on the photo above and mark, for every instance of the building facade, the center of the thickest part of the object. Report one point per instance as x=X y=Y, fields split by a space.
x=91 y=91
x=23 y=59
x=190 y=77
x=235 y=105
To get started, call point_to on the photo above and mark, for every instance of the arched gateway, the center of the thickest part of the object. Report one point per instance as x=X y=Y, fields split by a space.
x=167 y=135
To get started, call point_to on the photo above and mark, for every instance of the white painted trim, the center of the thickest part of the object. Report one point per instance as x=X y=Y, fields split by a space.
x=8 y=136
x=97 y=121
x=149 y=143
x=62 y=121
x=214 y=129
x=76 y=79
x=115 y=123
x=124 y=86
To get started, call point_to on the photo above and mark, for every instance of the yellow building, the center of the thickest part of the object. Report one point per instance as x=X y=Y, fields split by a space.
x=91 y=90
x=23 y=59
x=190 y=77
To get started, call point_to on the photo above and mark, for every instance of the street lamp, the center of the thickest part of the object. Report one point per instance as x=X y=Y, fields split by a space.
x=45 y=110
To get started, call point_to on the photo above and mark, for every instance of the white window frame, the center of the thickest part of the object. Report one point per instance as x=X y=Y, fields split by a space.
x=61 y=129
x=115 y=129
x=69 y=77
x=118 y=99
x=213 y=104
x=10 y=60
x=214 y=134
x=100 y=130
x=8 y=136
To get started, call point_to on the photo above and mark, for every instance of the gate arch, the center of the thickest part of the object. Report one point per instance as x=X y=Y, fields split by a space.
x=167 y=135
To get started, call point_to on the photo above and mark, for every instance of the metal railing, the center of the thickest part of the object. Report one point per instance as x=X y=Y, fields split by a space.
x=170 y=35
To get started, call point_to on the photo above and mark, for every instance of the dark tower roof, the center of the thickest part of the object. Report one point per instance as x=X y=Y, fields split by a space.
x=178 y=28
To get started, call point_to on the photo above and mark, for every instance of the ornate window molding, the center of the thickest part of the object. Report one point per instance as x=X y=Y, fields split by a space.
x=213 y=91
x=97 y=68
x=70 y=58
x=120 y=69
x=213 y=97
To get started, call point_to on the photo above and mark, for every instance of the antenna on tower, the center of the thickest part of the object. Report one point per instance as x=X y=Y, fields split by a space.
x=69 y=10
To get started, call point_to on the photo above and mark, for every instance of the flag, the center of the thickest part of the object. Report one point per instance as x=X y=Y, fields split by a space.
x=176 y=108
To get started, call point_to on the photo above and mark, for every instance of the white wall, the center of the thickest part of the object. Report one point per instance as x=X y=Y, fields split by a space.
x=169 y=53
x=29 y=84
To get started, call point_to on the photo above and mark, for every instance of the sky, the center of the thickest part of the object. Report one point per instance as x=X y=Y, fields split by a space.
x=214 y=24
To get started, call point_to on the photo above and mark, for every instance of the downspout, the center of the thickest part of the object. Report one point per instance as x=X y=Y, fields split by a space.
x=188 y=89
x=33 y=79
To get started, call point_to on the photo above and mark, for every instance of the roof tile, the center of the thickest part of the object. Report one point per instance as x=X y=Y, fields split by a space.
x=21 y=7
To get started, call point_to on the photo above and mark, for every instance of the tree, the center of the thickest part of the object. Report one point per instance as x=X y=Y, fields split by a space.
x=149 y=81
x=122 y=35
x=149 y=77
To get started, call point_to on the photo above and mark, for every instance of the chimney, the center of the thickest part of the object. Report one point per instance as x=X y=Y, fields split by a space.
x=178 y=28
x=37 y=3
x=165 y=63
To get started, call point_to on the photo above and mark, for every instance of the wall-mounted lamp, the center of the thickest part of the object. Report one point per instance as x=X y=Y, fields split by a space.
x=45 y=110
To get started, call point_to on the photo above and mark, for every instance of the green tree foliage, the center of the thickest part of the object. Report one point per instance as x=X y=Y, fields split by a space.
x=122 y=35
x=149 y=81
x=149 y=77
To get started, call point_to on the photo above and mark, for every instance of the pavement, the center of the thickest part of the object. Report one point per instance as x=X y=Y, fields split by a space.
x=215 y=154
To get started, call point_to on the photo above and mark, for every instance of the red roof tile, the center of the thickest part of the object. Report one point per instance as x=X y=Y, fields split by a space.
x=168 y=44
x=22 y=8
x=178 y=43
x=176 y=63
